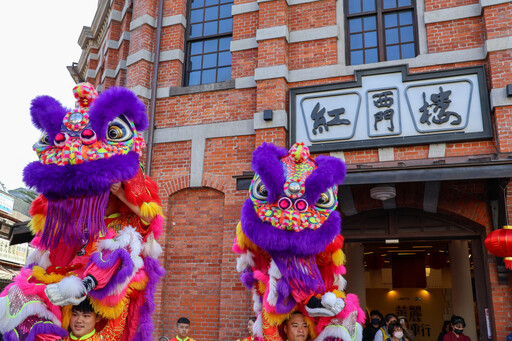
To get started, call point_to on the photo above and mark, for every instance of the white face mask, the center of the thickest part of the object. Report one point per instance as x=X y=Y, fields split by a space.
x=398 y=335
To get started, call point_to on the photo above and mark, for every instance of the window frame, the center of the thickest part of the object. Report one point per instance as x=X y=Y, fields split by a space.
x=379 y=13
x=188 y=43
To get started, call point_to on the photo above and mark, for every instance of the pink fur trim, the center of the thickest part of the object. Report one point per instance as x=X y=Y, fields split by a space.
x=157 y=226
x=340 y=270
x=37 y=289
x=260 y=276
x=236 y=248
x=112 y=300
x=351 y=304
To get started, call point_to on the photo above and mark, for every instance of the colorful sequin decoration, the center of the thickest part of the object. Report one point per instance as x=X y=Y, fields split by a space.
x=73 y=149
x=291 y=212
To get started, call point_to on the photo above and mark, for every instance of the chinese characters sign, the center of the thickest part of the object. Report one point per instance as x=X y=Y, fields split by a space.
x=394 y=108
x=15 y=253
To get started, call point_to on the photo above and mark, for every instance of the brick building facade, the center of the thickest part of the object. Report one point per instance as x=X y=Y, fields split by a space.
x=218 y=78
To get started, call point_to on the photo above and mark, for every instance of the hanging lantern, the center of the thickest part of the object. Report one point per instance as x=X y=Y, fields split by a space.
x=499 y=243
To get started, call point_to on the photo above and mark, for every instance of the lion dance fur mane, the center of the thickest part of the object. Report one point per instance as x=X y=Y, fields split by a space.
x=290 y=246
x=78 y=251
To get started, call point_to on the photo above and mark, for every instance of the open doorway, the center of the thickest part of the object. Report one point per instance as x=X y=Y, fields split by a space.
x=422 y=266
x=414 y=280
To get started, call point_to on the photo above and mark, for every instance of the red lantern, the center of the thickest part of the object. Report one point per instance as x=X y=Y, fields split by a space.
x=499 y=243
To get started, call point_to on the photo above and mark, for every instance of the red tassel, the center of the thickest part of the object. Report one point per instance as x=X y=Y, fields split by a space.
x=508 y=263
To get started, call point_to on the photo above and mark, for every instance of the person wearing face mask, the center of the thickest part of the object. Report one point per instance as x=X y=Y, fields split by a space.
x=372 y=327
x=395 y=332
x=382 y=334
x=458 y=324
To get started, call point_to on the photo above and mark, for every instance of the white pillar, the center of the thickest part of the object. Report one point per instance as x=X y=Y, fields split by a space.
x=355 y=271
x=462 y=290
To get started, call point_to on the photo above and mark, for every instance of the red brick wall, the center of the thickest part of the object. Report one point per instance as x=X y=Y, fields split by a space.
x=202 y=282
x=191 y=287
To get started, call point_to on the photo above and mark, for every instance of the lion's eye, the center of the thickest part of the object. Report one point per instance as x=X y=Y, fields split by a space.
x=326 y=200
x=44 y=140
x=118 y=131
x=258 y=190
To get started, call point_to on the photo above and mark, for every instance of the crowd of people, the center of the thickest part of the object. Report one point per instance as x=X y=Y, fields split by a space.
x=388 y=328
x=396 y=328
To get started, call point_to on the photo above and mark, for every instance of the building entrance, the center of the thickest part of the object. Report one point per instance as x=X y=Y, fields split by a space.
x=422 y=266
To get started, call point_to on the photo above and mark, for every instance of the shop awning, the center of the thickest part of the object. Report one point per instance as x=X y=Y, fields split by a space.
x=396 y=175
x=7 y=272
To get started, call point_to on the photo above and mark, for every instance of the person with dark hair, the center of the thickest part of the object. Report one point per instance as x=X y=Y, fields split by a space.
x=182 y=330
x=83 y=324
x=296 y=328
x=445 y=330
x=250 y=324
x=395 y=332
x=373 y=326
x=457 y=325
x=382 y=333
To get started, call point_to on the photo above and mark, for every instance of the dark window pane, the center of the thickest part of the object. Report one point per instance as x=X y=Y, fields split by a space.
x=387 y=4
x=355 y=25
x=224 y=58
x=370 y=39
x=224 y=43
x=390 y=20
x=226 y=25
x=195 y=62
x=196 y=30
x=371 y=56
x=208 y=76
x=226 y=1
x=354 y=6
x=211 y=13
x=368 y=5
x=225 y=11
x=210 y=46
x=370 y=23
x=356 y=57
x=197 y=3
x=211 y=2
x=356 y=41
x=196 y=48
x=402 y=3
x=406 y=34
x=210 y=28
x=392 y=36
x=408 y=51
x=393 y=52
x=405 y=18
x=194 y=78
x=196 y=15
x=209 y=60
x=223 y=74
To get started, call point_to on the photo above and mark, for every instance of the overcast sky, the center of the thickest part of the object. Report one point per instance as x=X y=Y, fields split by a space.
x=39 y=39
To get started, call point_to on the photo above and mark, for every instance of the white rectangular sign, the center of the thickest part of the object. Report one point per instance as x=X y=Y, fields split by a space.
x=14 y=254
x=6 y=203
x=389 y=107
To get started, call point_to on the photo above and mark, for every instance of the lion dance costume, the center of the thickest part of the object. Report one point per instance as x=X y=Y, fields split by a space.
x=290 y=245
x=78 y=252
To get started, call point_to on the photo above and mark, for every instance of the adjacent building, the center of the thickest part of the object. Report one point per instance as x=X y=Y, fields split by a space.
x=414 y=95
